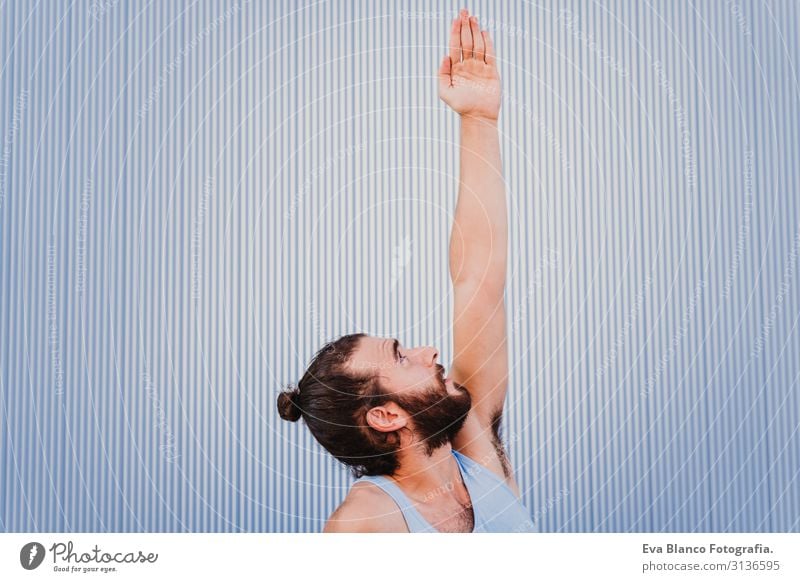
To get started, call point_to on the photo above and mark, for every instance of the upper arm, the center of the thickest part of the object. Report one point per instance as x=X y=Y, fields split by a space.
x=480 y=361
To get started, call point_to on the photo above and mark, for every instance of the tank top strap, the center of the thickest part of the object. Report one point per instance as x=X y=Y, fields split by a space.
x=479 y=475
x=496 y=506
x=414 y=520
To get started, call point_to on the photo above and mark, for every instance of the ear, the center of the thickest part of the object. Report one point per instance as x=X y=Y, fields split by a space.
x=386 y=418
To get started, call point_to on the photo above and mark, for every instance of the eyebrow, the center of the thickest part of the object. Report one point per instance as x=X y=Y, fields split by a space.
x=396 y=349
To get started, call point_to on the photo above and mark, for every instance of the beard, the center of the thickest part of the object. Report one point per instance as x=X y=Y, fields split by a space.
x=437 y=414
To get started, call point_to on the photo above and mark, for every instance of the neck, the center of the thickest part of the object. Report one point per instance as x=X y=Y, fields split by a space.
x=427 y=477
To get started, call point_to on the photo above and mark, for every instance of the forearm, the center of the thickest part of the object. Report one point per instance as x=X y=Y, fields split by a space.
x=479 y=239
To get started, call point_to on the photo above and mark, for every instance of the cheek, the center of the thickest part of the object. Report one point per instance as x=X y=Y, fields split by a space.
x=411 y=381
x=399 y=381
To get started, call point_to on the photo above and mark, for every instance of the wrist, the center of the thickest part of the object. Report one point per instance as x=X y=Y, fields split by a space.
x=478 y=121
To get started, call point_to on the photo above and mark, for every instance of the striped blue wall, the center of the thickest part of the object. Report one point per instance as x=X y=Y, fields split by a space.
x=195 y=196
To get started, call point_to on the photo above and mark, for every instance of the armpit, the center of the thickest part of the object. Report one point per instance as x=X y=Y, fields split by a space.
x=497 y=441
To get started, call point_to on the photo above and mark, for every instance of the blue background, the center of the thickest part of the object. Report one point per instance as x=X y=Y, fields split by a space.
x=196 y=196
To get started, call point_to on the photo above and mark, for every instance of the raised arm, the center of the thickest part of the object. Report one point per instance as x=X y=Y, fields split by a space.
x=469 y=83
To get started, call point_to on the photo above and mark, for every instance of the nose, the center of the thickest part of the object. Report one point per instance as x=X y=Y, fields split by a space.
x=426 y=356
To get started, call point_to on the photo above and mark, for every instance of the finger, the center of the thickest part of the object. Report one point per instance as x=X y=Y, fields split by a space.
x=455 y=40
x=466 y=37
x=477 y=38
x=444 y=72
x=489 y=48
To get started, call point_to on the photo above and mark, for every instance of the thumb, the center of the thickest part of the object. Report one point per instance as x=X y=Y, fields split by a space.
x=444 y=72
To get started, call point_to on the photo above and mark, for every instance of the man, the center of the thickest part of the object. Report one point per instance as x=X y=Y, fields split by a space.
x=427 y=447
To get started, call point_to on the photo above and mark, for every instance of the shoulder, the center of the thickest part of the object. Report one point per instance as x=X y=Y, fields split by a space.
x=481 y=441
x=367 y=508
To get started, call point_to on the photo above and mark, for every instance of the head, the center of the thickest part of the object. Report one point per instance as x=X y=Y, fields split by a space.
x=366 y=399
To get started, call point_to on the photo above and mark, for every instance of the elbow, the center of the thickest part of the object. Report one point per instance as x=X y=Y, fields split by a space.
x=487 y=290
x=486 y=275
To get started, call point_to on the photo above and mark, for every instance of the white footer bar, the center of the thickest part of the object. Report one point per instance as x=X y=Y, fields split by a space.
x=399 y=557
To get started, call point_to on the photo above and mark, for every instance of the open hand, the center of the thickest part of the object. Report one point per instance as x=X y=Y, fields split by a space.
x=468 y=78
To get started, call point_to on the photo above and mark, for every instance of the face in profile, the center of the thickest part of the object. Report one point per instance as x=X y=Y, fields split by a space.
x=431 y=406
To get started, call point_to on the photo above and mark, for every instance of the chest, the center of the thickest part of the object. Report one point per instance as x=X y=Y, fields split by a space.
x=449 y=516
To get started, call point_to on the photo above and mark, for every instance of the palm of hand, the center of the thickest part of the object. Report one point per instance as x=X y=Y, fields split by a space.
x=474 y=89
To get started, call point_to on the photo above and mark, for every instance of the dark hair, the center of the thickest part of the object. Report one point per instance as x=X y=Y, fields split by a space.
x=334 y=402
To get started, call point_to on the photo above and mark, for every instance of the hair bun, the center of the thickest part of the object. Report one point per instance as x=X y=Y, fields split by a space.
x=287 y=405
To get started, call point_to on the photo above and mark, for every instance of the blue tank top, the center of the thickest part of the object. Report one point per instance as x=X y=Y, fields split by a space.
x=495 y=507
